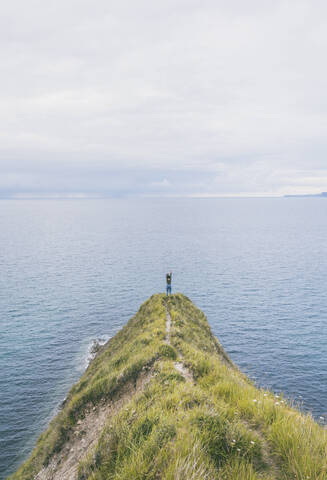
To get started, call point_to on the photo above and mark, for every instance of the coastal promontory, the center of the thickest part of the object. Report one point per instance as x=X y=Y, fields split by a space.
x=162 y=400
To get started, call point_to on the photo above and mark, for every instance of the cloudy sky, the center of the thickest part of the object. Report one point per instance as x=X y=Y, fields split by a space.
x=165 y=97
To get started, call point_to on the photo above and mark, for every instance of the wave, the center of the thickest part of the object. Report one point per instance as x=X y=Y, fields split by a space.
x=94 y=347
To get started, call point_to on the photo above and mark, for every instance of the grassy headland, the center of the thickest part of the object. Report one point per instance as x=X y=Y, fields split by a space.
x=164 y=401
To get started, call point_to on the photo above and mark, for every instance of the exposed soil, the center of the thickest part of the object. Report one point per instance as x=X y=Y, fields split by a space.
x=85 y=435
x=180 y=367
x=267 y=457
x=168 y=325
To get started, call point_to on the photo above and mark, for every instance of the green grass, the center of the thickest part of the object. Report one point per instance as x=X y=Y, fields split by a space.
x=218 y=427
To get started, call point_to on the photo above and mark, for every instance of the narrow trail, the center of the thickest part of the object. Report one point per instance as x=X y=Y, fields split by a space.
x=268 y=458
x=168 y=326
x=86 y=433
x=179 y=366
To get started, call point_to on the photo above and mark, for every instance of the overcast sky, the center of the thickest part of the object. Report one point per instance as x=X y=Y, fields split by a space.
x=164 y=97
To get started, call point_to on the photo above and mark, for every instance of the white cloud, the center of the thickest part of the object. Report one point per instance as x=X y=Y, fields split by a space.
x=233 y=92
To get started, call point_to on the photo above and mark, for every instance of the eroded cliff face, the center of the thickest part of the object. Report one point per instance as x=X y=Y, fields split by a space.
x=162 y=400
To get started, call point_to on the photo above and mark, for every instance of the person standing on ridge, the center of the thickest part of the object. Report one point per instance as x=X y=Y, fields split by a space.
x=168 y=279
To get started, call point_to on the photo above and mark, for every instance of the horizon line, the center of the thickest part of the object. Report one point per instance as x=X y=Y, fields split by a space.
x=90 y=196
x=145 y=196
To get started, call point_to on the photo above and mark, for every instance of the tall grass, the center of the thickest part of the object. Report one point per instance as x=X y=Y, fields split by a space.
x=220 y=426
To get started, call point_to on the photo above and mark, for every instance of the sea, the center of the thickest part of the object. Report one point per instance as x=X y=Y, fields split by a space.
x=75 y=270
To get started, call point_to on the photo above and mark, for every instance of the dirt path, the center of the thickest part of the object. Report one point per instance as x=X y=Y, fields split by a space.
x=86 y=433
x=180 y=367
x=168 y=326
x=267 y=457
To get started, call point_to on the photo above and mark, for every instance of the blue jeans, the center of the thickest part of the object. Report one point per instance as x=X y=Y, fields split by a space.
x=168 y=289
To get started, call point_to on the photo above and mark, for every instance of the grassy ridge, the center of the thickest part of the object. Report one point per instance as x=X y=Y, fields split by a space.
x=259 y=433
x=135 y=346
x=218 y=426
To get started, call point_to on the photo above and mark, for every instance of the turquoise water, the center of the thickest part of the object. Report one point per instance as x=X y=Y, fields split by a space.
x=76 y=270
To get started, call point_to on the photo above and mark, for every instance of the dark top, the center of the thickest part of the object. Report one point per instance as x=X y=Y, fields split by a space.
x=168 y=278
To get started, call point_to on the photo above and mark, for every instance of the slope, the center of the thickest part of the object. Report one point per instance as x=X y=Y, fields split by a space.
x=162 y=400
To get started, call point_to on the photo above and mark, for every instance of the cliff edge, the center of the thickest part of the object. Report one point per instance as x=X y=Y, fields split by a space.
x=162 y=400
